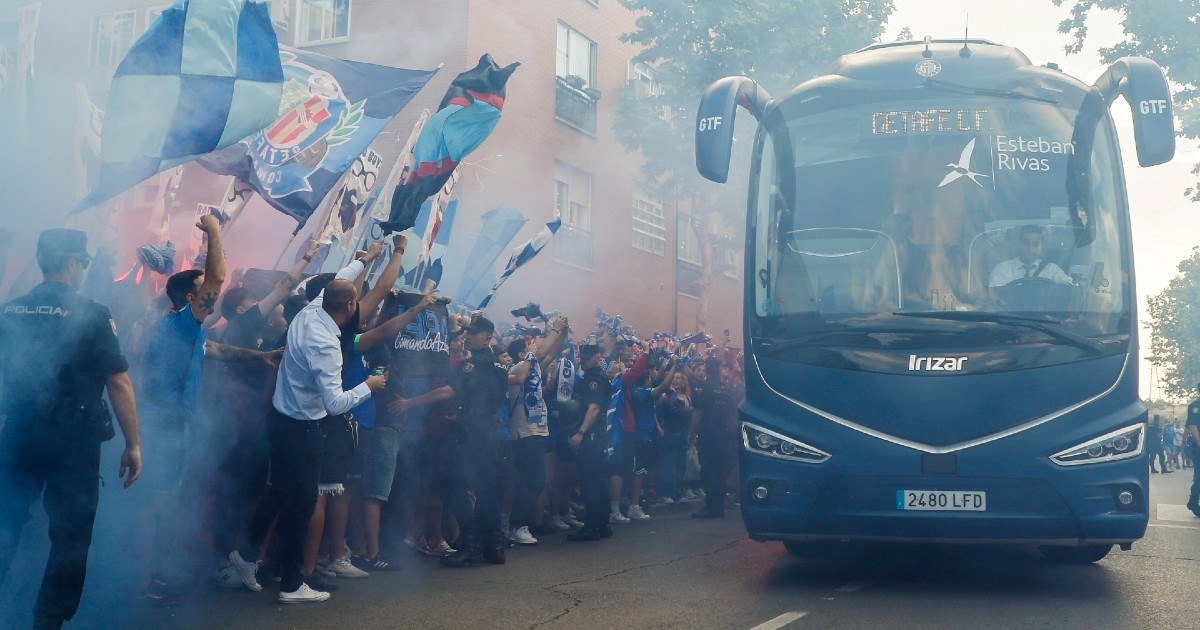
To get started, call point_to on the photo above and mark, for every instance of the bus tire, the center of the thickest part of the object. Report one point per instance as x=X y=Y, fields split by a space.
x=1076 y=555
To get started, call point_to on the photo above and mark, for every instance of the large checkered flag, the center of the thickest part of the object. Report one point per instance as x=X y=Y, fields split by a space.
x=204 y=76
x=522 y=254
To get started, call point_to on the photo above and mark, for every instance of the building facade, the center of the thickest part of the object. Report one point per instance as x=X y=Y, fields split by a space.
x=552 y=154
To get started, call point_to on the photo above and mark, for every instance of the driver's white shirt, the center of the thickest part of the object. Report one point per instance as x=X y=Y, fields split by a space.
x=1014 y=269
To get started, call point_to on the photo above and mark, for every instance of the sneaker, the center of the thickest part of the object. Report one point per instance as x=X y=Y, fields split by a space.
x=303 y=595
x=321 y=571
x=319 y=582
x=556 y=522
x=572 y=521
x=343 y=568
x=688 y=495
x=637 y=514
x=225 y=576
x=443 y=549
x=521 y=536
x=379 y=563
x=701 y=493
x=247 y=571
x=668 y=501
x=616 y=517
x=417 y=543
x=159 y=595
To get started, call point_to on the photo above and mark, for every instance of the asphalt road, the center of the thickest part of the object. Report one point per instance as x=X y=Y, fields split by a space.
x=675 y=572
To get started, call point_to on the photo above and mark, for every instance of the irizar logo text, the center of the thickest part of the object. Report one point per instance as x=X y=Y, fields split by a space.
x=935 y=364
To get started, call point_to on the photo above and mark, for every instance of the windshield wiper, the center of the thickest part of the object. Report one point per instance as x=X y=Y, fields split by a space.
x=1043 y=325
x=978 y=91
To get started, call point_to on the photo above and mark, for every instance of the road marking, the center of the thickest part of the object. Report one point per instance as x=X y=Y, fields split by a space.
x=851 y=587
x=1192 y=527
x=1173 y=512
x=780 y=621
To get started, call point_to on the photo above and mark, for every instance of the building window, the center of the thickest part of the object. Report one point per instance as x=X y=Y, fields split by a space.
x=281 y=14
x=641 y=78
x=573 y=204
x=153 y=13
x=687 y=243
x=322 y=21
x=575 y=70
x=649 y=224
x=112 y=35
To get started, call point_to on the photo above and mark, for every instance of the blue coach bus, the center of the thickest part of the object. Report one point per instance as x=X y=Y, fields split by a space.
x=940 y=310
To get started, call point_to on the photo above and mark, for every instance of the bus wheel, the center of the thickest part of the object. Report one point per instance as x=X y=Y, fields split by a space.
x=1076 y=555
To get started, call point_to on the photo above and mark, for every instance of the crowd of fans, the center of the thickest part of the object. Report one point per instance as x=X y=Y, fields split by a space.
x=442 y=436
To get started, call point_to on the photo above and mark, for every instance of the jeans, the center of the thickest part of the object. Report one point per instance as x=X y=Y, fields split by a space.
x=66 y=472
x=673 y=450
x=295 y=473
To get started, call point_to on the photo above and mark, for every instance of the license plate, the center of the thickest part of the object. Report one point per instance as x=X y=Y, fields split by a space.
x=945 y=500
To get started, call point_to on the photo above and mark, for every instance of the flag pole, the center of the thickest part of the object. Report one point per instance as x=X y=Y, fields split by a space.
x=237 y=196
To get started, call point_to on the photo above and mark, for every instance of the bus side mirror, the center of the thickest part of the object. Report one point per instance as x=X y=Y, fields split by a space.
x=1143 y=85
x=714 y=122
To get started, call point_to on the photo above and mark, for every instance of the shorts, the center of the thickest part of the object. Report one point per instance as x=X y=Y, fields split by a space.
x=622 y=460
x=381 y=450
x=645 y=457
x=338 y=443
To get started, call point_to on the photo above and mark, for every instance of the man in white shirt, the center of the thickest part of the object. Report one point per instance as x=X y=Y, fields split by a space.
x=308 y=388
x=1028 y=263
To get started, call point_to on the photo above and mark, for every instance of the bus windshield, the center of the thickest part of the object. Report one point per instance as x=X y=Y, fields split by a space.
x=944 y=218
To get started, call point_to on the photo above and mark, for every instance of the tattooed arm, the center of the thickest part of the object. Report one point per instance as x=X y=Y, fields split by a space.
x=204 y=301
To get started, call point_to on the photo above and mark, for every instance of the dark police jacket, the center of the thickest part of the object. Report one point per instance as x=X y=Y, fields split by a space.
x=481 y=386
x=57 y=350
x=595 y=388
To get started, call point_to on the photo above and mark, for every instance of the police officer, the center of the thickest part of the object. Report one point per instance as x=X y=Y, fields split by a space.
x=58 y=353
x=714 y=428
x=481 y=385
x=1191 y=441
x=594 y=394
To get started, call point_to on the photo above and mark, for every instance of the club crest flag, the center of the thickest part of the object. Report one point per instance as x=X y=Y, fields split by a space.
x=330 y=112
x=205 y=75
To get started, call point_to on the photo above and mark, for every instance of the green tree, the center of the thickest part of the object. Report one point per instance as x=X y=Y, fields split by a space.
x=690 y=44
x=1163 y=30
x=1175 y=330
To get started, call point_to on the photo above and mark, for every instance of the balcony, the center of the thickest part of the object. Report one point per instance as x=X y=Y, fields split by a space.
x=576 y=106
x=573 y=246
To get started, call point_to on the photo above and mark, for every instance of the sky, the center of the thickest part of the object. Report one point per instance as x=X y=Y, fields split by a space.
x=1166 y=226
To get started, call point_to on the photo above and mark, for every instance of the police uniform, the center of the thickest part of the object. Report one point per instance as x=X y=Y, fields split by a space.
x=57 y=350
x=1193 y=419
x=594 y=389
x=717 y=403
x=480 y=384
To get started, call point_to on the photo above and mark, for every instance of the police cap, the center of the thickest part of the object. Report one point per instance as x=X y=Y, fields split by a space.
x=587 y=351
x=58 y=242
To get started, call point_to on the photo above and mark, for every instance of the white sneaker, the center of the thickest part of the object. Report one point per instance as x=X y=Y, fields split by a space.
x=521 y=536
x=616 y=517
x=668 y=501
x=572 y=521
x=688 y=495
x=225 y=576
x=302 y=595
x=701 y=493
x=342 y=568
x=636 y=513
x=556 y=522
x=247 y=571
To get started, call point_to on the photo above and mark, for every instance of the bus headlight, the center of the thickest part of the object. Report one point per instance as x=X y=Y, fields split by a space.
x=1120 y=444
x=762 y=441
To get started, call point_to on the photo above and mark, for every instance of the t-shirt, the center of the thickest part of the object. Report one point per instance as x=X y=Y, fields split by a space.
x=174 y=361
x=642 y=400
x=519 y=425
x=245 y=331
x=56 y=347
x=354 y=371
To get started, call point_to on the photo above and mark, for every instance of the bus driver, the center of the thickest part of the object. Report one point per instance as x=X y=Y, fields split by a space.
x=1028 y=263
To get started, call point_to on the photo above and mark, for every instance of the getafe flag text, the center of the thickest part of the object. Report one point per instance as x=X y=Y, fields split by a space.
x=330 y=112
x=468 y=114
x=204 y=76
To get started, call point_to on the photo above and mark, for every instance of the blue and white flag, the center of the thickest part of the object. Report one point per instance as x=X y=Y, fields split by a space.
x=204 y=76
x=523 y=254
x=330 y=112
